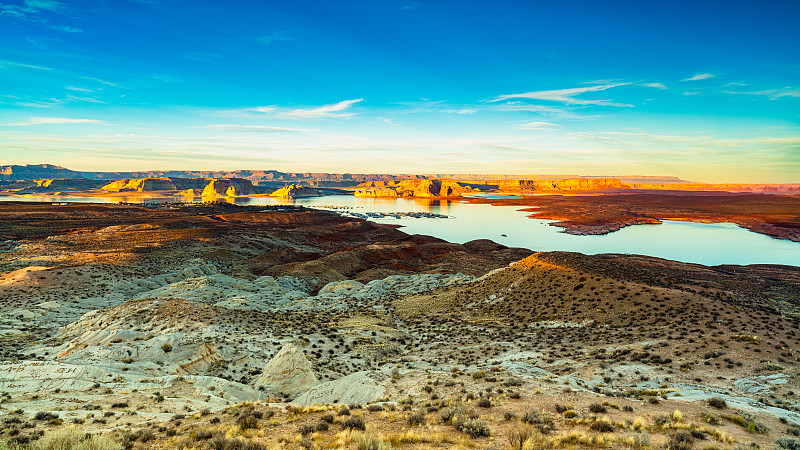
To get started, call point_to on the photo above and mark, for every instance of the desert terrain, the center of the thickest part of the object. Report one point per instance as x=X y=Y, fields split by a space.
x=221 y=326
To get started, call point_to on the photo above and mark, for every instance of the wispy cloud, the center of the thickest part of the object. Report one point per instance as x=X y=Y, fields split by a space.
x=202 y=57
x=98 y=80
x=275 y=36
x=549 y=111
x=167 y=78
x=25 y=66
x=539 y=125
x=334 y=110
x=700 y=76
x=79 y=89
x=74 y=98
x=47 y=5
x=257 y=128
x=566 y=96
x=66 y=28
x=461 y=111
x=36 y=11
x=654 y=85
x=56 y=121
x=772 y=93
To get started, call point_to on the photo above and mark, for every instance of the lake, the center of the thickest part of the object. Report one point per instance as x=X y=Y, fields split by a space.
x=709 y=244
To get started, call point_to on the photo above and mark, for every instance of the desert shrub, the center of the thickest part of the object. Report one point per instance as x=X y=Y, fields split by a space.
x=374 y=407
x=369 y=442
x=307 y=429
x=166 y=347
x=447 y=414
x=119 y=405
x=526 y=438
x=220 y=442
x=602 y=426
x=473 y=426
x=717 y=402
x=128 y=438
x=662 y=419
x=247 y=421
x=680 y=440
x=45 y=415
x=544 y=424
x=756 y=427
x=416 y=419
x=74 y=439
x=638 y=441
x=484 y=403
x=597 y=408
x=737 y=419
x=787 y=444
x=355 y=423
x=321 y=426
x=327 y=418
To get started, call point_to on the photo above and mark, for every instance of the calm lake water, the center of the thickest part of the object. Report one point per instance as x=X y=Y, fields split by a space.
x=708 y=244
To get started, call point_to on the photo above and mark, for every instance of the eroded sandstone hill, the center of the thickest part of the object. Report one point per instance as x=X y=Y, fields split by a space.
x=175 y=315
x=411 y=188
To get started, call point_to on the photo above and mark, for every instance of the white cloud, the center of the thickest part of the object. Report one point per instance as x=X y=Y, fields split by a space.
x=49 y=5
x=539 y=125
x=700 y=76
x=167 y=78
x=26 y=66
x=461 y=111
x=654 y=85
x=256 y=128
x=79 y=89
x=101 y=81
x=275 y=36
x=566 y=96
x=334 y=110
x=35 y=11
x=772 y=93
x=56 y=120
x=74 y=98
x=66 y=28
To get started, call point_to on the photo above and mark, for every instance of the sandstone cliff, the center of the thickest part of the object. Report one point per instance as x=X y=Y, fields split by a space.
x=296 y=191
x=412 y=188
x=566 y=184
x=749 y=188
x=36 y=171
x=53 y=185
x=228 y=187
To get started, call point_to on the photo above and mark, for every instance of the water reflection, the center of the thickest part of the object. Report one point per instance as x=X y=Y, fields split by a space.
x=708 y=244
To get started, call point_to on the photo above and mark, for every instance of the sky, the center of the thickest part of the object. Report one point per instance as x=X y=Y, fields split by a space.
x=706 y=91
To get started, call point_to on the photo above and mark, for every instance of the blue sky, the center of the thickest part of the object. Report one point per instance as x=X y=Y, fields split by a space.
x=708 y=91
